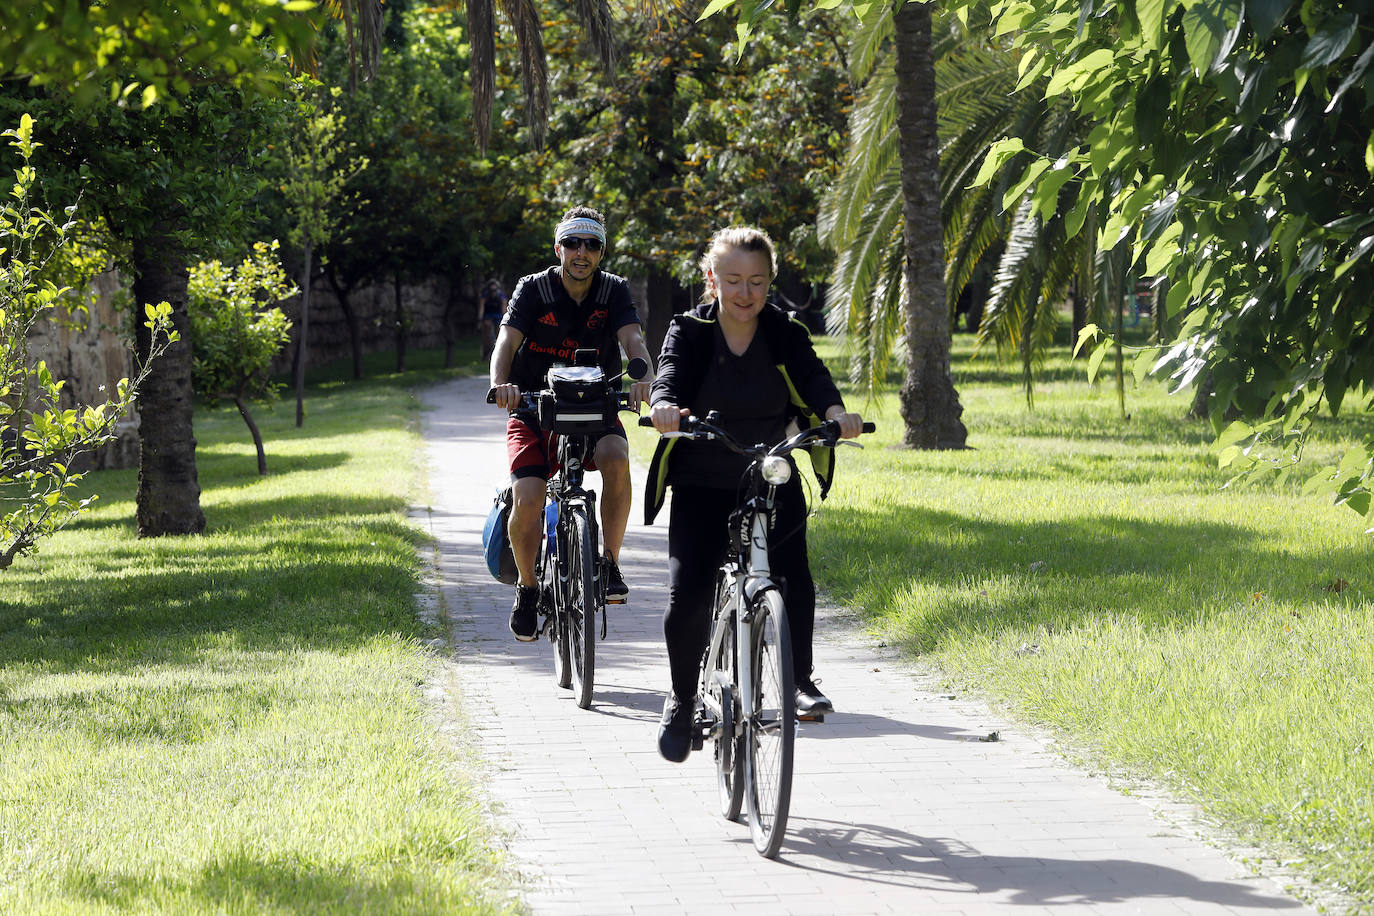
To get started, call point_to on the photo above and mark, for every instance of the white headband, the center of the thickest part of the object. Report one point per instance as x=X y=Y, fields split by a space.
x=581 y=226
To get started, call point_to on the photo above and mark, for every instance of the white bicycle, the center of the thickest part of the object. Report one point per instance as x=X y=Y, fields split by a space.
x=746 y=701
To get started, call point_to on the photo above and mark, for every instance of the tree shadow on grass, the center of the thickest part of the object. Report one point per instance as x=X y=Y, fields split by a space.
x=287 y=581
x=999 y=575
x=247 y=883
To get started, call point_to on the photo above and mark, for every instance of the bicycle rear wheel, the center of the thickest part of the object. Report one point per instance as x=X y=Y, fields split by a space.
x=720 y=685
x=583 y=599
x=770 y=725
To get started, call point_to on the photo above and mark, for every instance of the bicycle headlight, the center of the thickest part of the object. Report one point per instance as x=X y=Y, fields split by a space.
x=777 y=470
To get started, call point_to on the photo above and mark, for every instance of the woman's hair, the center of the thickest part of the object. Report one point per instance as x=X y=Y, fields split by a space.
x=742 y=238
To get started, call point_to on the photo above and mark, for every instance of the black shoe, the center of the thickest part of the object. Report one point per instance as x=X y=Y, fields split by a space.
x=675 y=732
x=524 y=614
x=616 y=589
x=810 y=700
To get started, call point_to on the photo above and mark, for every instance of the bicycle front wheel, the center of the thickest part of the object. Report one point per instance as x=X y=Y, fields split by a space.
x=583 y=599
x=720 y=685
x=552 y=600
x=770 y=729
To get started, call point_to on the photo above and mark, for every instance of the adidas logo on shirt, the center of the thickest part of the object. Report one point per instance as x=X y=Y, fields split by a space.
x=549 y=319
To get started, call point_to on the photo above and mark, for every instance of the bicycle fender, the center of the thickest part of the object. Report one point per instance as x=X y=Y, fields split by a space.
x=756 y=586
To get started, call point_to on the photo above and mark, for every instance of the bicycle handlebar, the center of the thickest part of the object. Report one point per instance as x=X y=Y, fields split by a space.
x=636 y=369
x=693 y=427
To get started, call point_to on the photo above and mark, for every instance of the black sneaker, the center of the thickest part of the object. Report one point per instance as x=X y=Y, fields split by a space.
x=616 y=589
x=675 y=732
x=524 y=614
x=810 y=700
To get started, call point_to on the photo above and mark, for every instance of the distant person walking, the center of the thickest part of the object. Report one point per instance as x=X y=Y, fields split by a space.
x=493 y=308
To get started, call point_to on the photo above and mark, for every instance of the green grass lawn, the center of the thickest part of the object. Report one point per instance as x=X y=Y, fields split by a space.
x=233 y=723
x=1092 y=574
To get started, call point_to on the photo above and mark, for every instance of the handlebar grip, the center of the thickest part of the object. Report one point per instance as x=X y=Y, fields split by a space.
x=491 y=395
x=646 y=421
x=869 y=427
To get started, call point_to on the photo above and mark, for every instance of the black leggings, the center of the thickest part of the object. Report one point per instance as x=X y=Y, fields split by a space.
x=696 y=547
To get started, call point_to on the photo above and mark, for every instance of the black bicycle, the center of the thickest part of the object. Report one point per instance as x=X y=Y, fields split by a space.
x=747 y=701
x=577 y=404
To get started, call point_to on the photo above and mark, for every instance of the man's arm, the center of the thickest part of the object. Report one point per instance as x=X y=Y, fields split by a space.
x=631 y=338
x=508 y=341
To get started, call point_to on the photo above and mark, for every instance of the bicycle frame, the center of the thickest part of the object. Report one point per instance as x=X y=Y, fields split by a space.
x=749 y=575
x=565 y=490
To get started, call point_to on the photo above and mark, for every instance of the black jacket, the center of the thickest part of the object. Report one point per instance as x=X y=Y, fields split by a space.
x=685 y=357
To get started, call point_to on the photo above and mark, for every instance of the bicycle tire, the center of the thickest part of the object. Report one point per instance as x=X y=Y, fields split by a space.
x=728 y=749
x=770 y=726
x=582 y=605
x=558 y=625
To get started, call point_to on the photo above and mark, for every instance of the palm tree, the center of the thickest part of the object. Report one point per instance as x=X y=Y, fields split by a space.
x=1041 y=259
x=930 y=405
x=524 y=18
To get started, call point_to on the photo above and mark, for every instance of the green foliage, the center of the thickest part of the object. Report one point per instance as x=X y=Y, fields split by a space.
x=132 y=52
x=316 y=162
x=1099 y=579
x=237 y=329
x=689 y=141
x=1232 y=154
x=39 y=438
x=231 y=723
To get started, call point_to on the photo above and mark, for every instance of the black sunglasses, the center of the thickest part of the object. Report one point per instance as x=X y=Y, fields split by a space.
x=572 y=243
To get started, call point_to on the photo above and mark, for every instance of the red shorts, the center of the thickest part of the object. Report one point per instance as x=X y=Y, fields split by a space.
x=534 y=453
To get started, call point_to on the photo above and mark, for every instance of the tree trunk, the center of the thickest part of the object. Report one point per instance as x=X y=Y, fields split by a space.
x=302 y=351
x=257 y=436
x=1079 y=303
x=168 y=489
x=400 y=324
x=355 y=330
x=450 y=323
x=661 y=293
x=930 y=405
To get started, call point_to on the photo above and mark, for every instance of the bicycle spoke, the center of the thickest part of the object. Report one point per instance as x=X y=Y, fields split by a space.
x=771 y=727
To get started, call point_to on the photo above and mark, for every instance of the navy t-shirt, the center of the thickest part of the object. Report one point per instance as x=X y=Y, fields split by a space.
x=555 y=326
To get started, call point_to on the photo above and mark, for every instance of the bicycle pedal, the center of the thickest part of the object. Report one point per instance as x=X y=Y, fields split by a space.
x=813 y=717
x=617 y=599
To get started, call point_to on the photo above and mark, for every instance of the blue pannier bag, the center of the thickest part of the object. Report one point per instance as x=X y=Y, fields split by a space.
x=496 y=540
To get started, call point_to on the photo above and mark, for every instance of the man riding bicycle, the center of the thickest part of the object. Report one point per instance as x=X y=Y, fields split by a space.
x=551 y=315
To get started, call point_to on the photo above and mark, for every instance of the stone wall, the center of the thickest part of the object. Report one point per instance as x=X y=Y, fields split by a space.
x=424 y=307
x=91 y=353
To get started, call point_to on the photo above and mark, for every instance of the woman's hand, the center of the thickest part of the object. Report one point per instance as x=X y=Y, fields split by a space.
x=851 y=424
x=667 y=416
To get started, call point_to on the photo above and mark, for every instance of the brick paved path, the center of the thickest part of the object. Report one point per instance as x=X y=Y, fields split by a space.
x=897 y=806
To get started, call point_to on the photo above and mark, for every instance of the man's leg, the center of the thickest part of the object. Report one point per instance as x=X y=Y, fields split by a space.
x=528 y=464
x=612 y=457
x=613 y=461
x=526 y=513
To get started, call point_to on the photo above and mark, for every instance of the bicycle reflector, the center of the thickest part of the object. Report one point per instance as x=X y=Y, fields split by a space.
x=777 y=470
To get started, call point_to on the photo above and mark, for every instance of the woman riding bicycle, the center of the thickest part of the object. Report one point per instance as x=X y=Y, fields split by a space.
x=746 y=359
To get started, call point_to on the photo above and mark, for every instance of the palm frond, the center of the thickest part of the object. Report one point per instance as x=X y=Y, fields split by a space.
x=886 y=318
x=980 y=226
x=1004 y=316
x=482 y=35
x=857 y=268
x=363 y=20
x=534 y=65
x=866 y=45
x=596 y=21
x=872 y=151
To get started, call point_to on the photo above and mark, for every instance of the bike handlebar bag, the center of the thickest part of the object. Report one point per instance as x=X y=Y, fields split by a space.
x=576 y=400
